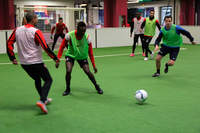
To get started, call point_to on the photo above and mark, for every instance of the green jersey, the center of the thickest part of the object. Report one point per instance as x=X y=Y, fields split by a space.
x=170 y=37
x=78 y=49
x=150 y=27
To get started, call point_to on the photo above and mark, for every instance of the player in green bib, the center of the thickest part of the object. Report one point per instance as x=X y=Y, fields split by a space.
x=149 y=25
x=79 y=46
x=172 y=40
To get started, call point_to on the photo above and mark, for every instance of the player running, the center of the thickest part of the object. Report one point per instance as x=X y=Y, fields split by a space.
x=149 y=26
x=29 y=41
x=172 y=40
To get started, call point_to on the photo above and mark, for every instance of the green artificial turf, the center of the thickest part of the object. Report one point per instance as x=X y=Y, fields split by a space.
x=172 y=106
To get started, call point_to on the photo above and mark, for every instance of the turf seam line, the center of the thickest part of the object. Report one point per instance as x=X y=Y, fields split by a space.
x=99 y=56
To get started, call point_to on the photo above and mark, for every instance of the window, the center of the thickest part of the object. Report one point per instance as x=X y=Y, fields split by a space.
x=165 y=11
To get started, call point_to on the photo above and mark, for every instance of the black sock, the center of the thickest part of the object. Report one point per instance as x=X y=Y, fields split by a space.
x=166 y=65
x=158 y=71
x=68 y=79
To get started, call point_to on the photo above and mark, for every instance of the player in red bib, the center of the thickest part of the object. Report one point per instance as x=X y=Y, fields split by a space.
x=59 y=27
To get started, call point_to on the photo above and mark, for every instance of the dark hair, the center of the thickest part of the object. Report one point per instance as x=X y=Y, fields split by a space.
x=24 y=22
x=152 y=10
x=60 y=18
x=30 y=16
x=168 y=17
x=81 y=24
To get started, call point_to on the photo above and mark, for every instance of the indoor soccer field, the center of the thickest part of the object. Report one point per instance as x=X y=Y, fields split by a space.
x=172 y=106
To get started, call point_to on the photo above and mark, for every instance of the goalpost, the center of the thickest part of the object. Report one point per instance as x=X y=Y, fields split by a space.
x=48 y=16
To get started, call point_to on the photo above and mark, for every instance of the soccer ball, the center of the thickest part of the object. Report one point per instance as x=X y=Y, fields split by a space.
x=141 y=96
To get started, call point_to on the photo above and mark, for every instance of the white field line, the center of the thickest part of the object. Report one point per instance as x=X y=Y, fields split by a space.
x=100 y=56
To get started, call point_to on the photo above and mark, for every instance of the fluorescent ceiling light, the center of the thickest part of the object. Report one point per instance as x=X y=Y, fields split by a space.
x=83 y=4
x=133 y=1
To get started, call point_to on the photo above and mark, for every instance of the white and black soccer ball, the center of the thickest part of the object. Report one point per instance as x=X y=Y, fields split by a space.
x=141 y=96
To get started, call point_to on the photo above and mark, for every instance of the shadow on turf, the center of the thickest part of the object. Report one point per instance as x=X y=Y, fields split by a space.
x=90 y=95
x=22 y=108
x=143 y=104
x=18 y=107
x=88 y=91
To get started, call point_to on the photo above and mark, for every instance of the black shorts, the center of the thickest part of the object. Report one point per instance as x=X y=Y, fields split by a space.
x=62 y=35
x=37 y=71
x=80 y=62
x=173 y=52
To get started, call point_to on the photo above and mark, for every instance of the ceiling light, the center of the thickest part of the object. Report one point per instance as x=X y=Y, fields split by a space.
x=83 y=4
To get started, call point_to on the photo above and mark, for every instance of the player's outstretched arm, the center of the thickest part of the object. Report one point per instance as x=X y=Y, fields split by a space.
x=60 y=52
x=158 y=39
x=157 y=42
x=92 y=57
x=185 y=33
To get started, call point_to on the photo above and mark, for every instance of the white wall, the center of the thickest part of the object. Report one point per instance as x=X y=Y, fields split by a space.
x=108 y=37
x=112 y=37
x=91 y=33
x=195 y=32
x=115 y=37
x=3 y=42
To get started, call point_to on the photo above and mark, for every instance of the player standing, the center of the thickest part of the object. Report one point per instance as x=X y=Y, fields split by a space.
x=59 y=27
x=78 y=46
x=135 y=26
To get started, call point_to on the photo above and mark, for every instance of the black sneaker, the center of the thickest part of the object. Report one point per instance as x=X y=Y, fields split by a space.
x=156 y=74
x=99 y=90
x=66 y=92
x=166 y=68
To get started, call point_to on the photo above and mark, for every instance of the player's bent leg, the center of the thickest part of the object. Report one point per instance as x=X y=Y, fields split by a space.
x=38 y=85
x=31 y=71
x=45 y=75
x=170 y=63
x=87 y=71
